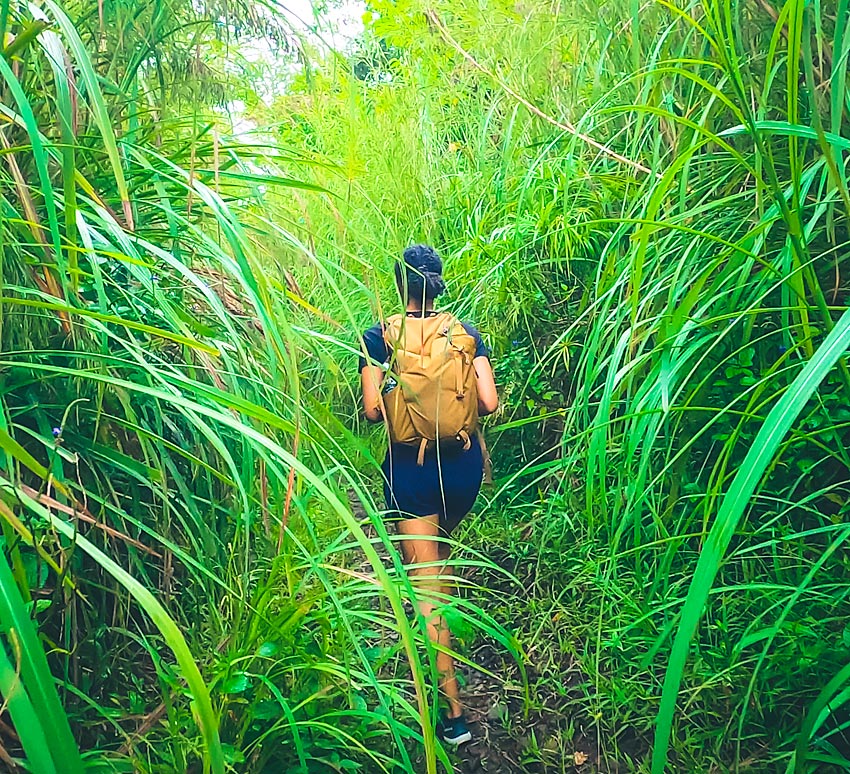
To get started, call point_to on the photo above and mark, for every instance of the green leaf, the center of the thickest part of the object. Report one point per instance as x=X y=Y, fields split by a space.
x=268 y=649
x=238 y=682
x=25 y=719
x=24 y=38
x=777 y=424
x=9 y=445
x=99 y=109
x=165 y=623
x=47 y=734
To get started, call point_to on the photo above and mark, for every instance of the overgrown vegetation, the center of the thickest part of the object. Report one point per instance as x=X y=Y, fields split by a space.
x=644 y=207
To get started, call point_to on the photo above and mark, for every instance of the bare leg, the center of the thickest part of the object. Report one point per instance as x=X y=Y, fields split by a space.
x=449 y=685
x=420 y=547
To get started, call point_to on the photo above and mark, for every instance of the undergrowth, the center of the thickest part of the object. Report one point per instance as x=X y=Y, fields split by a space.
x=642 y=206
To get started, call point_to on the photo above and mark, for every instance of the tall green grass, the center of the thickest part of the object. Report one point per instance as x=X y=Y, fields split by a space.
x=670 y=343
x=183 y=579
x=177 y=504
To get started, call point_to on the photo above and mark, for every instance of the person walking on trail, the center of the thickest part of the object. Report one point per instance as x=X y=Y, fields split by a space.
x=428 y=378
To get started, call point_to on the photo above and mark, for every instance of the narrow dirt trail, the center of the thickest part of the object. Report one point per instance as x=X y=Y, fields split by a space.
x=510 y=737
x=492 y=749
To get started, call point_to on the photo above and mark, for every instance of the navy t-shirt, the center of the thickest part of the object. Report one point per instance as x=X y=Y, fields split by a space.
x=376 y=346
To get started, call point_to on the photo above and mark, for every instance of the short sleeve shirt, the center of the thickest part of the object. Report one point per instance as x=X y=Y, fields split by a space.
x=376 y=346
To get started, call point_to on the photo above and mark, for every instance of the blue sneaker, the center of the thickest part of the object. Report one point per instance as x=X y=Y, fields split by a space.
x=453 y=731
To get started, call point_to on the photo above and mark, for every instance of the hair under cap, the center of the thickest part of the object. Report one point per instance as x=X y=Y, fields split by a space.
x=423 y=273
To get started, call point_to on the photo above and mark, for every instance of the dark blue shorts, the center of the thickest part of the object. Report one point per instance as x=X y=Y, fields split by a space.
x=446 y=485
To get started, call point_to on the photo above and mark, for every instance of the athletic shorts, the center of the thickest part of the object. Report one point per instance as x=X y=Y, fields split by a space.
x=446 y=485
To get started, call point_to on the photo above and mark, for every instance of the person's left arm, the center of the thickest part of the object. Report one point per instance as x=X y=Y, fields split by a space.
x=371 y=374
x=371 y=378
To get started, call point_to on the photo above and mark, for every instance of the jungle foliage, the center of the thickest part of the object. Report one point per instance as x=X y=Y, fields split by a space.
x=643 y=206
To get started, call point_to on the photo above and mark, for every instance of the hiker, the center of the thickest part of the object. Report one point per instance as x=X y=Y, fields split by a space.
x=428 y=377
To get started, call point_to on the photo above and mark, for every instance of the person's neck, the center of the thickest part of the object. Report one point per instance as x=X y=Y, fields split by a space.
x=415 y=308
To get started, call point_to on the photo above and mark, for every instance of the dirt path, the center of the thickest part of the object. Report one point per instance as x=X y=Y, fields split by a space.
x=493 y=749
x=506 y=740
x=511 y=736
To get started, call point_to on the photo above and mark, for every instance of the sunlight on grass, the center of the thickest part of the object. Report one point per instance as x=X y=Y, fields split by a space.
x=644 y=208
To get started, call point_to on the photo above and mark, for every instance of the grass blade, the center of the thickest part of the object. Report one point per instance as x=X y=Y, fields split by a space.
x=777 y=424
x=51 y=722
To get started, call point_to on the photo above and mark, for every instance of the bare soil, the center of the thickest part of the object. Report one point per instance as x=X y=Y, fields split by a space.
x=537 y=726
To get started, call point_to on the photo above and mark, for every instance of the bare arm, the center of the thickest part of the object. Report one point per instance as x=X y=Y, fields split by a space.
x=371 y=377
x=488 y=398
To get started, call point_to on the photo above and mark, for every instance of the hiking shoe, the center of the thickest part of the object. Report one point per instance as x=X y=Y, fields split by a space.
x=453 y=731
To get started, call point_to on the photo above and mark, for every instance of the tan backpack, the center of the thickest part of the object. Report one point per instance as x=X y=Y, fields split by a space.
x=435 y=397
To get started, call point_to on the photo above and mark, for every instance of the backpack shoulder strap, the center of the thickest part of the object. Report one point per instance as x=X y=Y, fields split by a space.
x=485 y=454
x=448 y=320
x=391 y=329
x=456 y=328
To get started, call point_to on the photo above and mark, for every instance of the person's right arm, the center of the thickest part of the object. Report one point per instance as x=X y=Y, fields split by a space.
x=488 y=398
